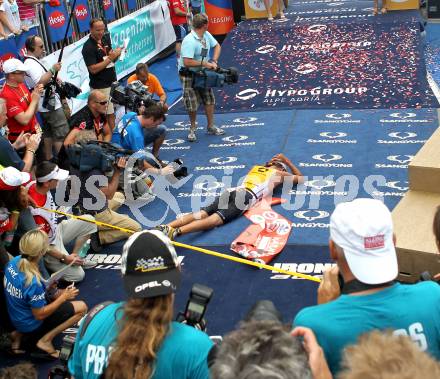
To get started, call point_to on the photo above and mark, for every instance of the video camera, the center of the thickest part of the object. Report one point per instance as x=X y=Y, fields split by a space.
x=131 y=97
x=214 y=78
x=199 y=298
x=61 y=371
x=95 y=155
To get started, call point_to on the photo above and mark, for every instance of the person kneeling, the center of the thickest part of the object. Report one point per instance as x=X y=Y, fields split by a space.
x=36 y=320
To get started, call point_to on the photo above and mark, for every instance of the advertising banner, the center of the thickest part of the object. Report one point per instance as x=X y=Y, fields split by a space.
x=396 y=5
x=82 y=15
x=256 y=9
x=109 y=10
x=131 y=4
x=56 y=18
x=221 y=16
x=147 y=32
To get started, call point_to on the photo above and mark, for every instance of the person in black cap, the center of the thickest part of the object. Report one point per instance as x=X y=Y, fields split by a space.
x=143 y=341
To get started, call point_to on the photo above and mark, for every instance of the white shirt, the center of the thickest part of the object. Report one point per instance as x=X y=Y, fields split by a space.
x=34 y=71
x=11 y=11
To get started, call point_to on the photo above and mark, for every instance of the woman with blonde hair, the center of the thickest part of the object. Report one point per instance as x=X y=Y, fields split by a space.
x=137 y=339
x=36 y=320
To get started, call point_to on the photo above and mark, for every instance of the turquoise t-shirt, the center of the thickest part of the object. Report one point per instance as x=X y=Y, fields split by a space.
x=412 y=310
x=183 y=354
x=192 y=47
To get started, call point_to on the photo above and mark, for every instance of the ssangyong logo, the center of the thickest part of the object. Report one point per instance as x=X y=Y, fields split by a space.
x=338 y=116
x=319 y=184
x=173 y=142
x=305 y=68
x=209 y=186
x=266 y=49
x=402 y=135
x=402 y=159
x=403 y=115
x=223 y=160
x=234 y=138
x=56 y=19
x=311 y=215
x=333 y=134
x=244 y=120
x=247 y=94
x=81 y=12
x=398 y=185
x=327 y=157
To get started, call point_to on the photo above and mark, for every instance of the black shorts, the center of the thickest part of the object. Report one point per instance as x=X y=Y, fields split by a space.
x=180 y=31
x=63 y=313
x=230 y=205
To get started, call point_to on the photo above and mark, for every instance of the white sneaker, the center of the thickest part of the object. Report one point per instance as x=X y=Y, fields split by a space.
x=88 y=264
x=192 y=136
x=215 y=131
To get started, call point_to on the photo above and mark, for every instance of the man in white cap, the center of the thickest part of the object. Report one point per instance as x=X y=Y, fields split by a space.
x=48 y=175
x=21 y=105
x=362 y=245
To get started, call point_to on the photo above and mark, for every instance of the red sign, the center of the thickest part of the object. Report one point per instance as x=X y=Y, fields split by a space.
x=266 y=238
x=56 y=19
x=81 y=12
x=4 y=58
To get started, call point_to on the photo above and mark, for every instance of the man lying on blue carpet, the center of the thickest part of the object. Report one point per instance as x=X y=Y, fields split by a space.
x=232 y=203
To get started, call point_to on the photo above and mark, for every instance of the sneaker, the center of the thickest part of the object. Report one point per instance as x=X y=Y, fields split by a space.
x=215 y=131
x=192 y=135
x=169 y=231
x=88 y=264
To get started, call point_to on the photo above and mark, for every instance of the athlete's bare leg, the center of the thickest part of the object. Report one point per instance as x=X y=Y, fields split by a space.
x=206 y=223
x=186 y=219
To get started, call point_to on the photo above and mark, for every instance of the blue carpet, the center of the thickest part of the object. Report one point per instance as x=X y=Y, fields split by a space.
x=289 y=65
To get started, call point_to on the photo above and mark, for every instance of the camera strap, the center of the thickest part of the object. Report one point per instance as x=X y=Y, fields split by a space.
x=95 y=310
x=356 y=286
x=126 y=126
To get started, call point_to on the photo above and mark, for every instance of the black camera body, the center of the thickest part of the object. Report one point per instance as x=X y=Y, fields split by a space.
x=61 y=371
x=95 y=155
x=205 y=78
x=194 y=313
x=131 y=97
x=65 y=90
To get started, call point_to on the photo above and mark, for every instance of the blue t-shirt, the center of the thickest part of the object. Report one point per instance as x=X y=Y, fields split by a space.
x=412 y=310
x=192 y=47
x=21 y=299
x=183 y=354
x=129 y=134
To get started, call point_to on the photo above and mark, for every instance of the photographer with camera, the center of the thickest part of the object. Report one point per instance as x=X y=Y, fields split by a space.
x=100 y=58
x=134 y=132
x=55 y=126
x=366 y=296
x=91 y=118
x=97 y=195
x=21 y=105
x=195 y=56
x=143 y=340
x=151 y=82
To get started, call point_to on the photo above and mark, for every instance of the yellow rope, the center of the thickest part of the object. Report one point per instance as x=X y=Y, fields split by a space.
x=195 y=248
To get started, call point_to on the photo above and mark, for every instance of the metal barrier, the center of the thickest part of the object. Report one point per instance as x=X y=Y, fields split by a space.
x=95 y=10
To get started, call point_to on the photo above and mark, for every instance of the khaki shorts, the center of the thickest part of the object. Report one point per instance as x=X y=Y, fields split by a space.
x=54 y=124
x=106 y=92
x=192 y=98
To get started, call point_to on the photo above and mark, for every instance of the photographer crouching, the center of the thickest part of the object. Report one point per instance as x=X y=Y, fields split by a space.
x=143 y=340
x=194 y=57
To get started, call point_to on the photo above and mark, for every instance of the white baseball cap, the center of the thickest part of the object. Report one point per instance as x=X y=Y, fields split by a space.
x=11 y=178
x=12 y=65
x=363 y=228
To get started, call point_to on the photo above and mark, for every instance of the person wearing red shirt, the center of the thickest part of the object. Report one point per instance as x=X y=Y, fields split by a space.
x=20 y=103
x=179 y=14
